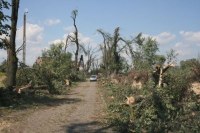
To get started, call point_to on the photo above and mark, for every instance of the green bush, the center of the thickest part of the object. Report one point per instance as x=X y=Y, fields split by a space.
x=77 y=76
x=173 y=108
x=54 y=68
x=3 y=66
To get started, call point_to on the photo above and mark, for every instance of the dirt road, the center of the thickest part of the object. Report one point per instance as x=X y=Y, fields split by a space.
x=80 y=112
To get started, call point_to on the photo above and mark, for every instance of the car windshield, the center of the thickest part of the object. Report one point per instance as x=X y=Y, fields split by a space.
x=93 y=76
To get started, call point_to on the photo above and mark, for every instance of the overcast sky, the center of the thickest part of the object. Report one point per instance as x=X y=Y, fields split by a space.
x=175 y=24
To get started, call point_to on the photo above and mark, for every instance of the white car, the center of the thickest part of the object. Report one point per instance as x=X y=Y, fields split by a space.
x=93 y=78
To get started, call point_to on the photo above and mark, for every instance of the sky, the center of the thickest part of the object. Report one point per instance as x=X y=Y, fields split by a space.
x=175 y=24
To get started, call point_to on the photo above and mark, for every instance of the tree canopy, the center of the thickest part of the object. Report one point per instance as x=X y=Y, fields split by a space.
x=4 y=26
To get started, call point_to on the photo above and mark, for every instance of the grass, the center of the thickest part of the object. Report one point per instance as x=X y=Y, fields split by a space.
x=2 y=78
x=2 y=74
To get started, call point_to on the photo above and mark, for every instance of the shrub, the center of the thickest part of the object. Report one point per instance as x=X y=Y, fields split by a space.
x=3 y=66
x=173 y=108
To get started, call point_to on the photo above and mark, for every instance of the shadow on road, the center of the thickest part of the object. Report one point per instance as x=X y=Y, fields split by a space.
x=89 y=127
x=51 y=101
x=56 y=101
x=28 y=101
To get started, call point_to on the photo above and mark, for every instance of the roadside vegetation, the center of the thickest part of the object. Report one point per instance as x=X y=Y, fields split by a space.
x=155 y=95
x=52 y=73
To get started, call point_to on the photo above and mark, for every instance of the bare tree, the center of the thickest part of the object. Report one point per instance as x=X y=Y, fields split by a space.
x=11 y=49
x=74 y=38
x=90 y=57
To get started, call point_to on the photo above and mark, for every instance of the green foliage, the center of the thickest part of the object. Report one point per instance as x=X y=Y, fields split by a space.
x=145 y=55
x=173 y=108
x=111 y=48
x=4 y=27
x=120 y=66
x=160 y=59
x=171 y=56
x=77 y=75
x=3 y=66
x=54 y=68
x=187 y=64
x=149 y=49
x=57 y=61
x=38 y=76
x=192 y=68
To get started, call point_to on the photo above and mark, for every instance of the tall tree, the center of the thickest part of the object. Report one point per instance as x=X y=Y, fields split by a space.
x=74 y=15
x=115 y=52
x=74 y=38
x=11 y=49
x=106 y=50
x=111 y=49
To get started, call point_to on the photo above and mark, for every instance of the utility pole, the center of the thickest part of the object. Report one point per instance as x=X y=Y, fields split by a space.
x=24 y=39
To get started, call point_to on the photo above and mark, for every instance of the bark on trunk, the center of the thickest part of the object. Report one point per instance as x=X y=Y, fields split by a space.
x=12 y=68
x=76 y=59
x=11 y=51
x=162 y=71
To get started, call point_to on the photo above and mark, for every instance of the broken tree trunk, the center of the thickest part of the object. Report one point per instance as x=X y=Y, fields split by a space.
x=160 y=78
x=162 y=70
x=19 y=90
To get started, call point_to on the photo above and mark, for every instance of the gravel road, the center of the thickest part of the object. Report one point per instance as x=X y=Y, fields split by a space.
x=80 y=112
